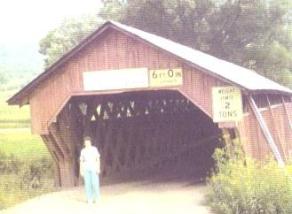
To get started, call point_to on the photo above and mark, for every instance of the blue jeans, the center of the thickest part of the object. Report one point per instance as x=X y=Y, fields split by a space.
x=91 y=181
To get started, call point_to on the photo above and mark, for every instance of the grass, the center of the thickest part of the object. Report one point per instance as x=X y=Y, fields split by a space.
x=14 y=124
x=22 y=144
x=11 y=193
x=29 y=150
x=12 y=116
x=33 y=173
x=18 y=142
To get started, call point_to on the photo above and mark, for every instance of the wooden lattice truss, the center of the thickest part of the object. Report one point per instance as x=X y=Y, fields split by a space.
x=132 y=131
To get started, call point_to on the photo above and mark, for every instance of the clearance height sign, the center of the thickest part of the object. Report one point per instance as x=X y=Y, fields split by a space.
x=227 y=104
x=131 y=78
x=165 y=77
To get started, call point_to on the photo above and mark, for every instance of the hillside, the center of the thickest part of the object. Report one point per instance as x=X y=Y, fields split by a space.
x=19 y=63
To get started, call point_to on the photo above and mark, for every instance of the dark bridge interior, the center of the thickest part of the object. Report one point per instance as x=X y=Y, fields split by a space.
x=141 y=134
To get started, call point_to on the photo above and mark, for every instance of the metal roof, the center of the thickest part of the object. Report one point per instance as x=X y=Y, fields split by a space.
x=237 y=75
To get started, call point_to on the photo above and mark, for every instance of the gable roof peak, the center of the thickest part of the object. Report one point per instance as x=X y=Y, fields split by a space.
x=234 y=74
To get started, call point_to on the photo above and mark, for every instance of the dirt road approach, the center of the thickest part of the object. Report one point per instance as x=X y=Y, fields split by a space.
x=125 y=198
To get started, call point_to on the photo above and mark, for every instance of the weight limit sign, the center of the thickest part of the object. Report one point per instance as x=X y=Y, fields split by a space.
x=227 y=104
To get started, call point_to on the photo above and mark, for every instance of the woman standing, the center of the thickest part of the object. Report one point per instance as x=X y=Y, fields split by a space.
x=90 y=169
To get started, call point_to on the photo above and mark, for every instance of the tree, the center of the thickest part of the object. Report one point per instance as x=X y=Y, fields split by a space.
x=251 y=33
x=67 y=35
x=177 y=20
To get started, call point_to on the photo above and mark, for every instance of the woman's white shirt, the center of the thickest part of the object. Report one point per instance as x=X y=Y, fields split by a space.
x=90 y=158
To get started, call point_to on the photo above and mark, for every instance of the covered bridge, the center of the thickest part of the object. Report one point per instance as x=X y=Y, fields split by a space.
x=143 y=98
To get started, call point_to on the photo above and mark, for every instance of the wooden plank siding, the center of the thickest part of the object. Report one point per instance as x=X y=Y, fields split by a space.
x=113 y=51
x=255 y=144
x=197 y=87
x=117 y=50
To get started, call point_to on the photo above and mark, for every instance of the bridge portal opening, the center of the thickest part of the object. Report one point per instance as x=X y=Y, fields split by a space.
x=142 y=134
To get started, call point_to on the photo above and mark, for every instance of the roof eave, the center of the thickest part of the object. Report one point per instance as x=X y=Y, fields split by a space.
x=268 y=91
x=191 y=64
x=26 y=90
x=21 y=97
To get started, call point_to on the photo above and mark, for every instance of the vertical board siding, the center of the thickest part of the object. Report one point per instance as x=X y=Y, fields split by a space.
x=198 y=87
x=113 y=51
x=255 y=143
x=244 y=135
x=116 y=50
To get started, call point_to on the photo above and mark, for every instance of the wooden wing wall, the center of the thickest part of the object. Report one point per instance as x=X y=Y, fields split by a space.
x=277 y=119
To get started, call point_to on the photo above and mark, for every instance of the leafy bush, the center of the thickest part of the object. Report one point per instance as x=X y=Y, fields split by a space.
x=8 y=163
x=36 y=174
x=26 y=167
x=23 y=179
x=245 y=186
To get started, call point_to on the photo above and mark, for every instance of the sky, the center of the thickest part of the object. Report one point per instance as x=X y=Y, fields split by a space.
x=27 y=21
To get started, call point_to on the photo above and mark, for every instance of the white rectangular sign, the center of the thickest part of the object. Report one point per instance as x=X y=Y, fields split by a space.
x=166 y=77
x=115 y=79
x=227 y=104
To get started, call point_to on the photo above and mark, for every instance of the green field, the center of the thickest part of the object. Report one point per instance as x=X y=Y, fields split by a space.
x=29 y=153
x=12 y=116
x=18 y=145
x=22 y=144
x=15 y=134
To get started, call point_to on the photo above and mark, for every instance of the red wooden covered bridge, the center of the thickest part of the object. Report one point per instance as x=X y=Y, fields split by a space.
x=144 y=99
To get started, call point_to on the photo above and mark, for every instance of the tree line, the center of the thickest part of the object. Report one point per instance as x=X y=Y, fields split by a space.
x=256 y=34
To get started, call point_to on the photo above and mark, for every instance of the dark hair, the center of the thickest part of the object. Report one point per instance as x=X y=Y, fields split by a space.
x=86 y=138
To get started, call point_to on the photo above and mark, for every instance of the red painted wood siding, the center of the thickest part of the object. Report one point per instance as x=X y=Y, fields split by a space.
x=116 y=50
x=253 y=139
